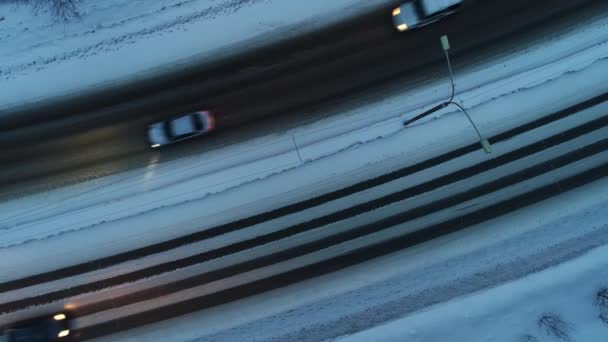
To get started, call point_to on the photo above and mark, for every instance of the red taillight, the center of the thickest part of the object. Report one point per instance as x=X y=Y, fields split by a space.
x=211 y=120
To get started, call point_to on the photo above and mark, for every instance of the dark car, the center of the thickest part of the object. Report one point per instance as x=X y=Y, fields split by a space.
x=41 y=329
x=417 y=13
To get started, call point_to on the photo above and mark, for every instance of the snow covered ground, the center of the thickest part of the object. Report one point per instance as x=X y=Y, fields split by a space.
x=119 y=41
x=564 y=302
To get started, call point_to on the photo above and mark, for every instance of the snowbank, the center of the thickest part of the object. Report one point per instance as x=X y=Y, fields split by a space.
x=512 y=311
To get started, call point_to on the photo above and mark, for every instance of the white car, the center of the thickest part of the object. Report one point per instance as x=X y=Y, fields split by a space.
x=183 y=127
x=417 y=13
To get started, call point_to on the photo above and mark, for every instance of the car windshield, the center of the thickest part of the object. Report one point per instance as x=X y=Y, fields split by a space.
x=167 y=129
x=198 y=122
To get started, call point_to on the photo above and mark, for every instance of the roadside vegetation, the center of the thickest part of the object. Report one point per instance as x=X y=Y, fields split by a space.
x=556 y=328
x=62 y=9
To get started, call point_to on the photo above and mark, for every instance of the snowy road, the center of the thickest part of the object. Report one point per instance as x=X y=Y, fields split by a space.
x=197 y=232
x=359 y=62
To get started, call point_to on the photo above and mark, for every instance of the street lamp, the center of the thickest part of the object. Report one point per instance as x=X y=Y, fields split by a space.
x=485 y=144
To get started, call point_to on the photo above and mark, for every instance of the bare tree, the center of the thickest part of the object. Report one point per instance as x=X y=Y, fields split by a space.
x=603 y=317
x=601 y=299
x=63 y=9
x=554 y=325
x=529 y=338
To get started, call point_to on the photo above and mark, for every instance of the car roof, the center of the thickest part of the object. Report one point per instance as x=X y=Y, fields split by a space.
x=183 y=125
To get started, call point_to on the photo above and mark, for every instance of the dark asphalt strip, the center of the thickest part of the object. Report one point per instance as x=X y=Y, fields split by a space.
x=431 y=185
x=346 y=236
x=288 y=209
x=343 y=261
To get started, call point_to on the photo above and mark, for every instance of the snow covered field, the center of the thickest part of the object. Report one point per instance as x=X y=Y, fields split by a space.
x=118 y=41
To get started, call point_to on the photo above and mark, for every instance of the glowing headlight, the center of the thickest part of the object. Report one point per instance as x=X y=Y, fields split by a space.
x=63 y=333
x=402 y=27
x=59 y=317
x=396 y=11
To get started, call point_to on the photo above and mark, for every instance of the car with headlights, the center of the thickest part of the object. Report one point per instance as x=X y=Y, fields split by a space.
x=417 y=13
x=183 y=127
x=40 y=329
